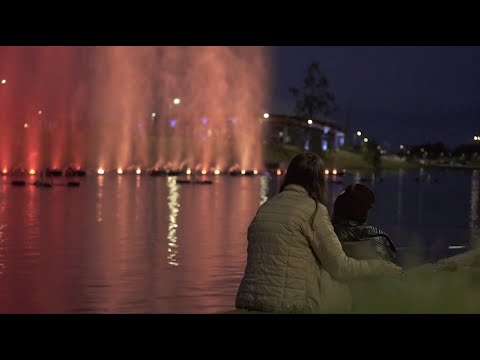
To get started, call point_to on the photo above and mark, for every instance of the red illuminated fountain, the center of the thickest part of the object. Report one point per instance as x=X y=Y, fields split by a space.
x=157 y=110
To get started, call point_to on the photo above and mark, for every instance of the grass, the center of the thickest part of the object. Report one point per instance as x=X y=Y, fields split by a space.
x=280 y=154
x=451 y=286
x=340 y=159
x=422 y=293
x=352 y=160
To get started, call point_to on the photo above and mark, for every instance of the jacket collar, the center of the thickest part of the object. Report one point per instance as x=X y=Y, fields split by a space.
x=351 y=223
x=296 y=188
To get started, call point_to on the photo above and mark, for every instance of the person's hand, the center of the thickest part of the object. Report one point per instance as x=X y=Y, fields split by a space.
x=394 y=271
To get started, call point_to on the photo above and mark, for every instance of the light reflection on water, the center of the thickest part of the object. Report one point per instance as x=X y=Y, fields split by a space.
x=174 y=208
x=142 y=244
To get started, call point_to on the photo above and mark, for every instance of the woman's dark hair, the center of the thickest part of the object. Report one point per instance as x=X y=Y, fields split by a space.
x=307 y=170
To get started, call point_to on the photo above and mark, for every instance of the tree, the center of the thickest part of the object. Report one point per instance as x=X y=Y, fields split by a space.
x=314 y=98
x=371 y=154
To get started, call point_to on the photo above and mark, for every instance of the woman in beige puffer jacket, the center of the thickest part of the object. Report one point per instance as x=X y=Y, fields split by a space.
x=295 y=261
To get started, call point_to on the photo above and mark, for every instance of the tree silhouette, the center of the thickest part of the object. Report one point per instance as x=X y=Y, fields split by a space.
x=371 y=154
x=314 y=98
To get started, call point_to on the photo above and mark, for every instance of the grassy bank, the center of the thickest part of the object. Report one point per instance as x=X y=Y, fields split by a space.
x=339 y=159
x=449 y=286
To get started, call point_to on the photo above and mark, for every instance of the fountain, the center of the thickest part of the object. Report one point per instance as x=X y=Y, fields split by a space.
x=160 y=110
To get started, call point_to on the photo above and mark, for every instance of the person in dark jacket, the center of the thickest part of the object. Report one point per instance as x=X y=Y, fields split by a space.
x=359 y=240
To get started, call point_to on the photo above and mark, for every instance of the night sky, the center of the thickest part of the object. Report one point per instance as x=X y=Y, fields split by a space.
x=397 y=94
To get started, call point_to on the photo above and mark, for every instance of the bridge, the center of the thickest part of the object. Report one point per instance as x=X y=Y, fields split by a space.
x=307 y=134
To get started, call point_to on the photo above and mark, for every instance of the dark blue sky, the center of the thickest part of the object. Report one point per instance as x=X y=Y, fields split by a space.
x=399 y=94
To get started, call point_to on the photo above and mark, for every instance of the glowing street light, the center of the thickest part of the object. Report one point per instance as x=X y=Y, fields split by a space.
x=365 y=139
x=279 y=172
x=188 y=171
x=138 y=171
x=154 y=114
x=217 y=172
x=31 y=172
x=255 y=172
x=39 y=112
x=327 y=172
x=4 y=81
x=119 y=171
x=266 y=115
x=176 y=101
x=26 y=126
x=243 y=172
x=334 y=172
x=204 y=172
x=310 y=122
x=401 y=147
x=100 y=171
x=359 y=133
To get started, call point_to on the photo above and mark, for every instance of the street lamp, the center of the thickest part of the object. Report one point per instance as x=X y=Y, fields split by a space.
x=4 y=81
x=310 y=122
x=365 y=139
x=266 y=115
x=359 y=133
x=401 y=147
x=176 y=101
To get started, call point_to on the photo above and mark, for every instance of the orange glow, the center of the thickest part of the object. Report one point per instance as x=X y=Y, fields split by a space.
x=327 y=172
x=31 y=172
x=334 y=172
x=204 y=172
x=4 y=171
x=255 y=172
x=4 y=81
x=101 y=171
x=176 y=101
x=217 y=172
x=189 y=171
x=138 y=171
x=26 y=126
x=279 y=172
x=242 y=172
x=119 y=171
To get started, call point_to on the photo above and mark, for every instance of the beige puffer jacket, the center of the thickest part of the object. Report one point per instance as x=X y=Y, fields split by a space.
x=291 y=266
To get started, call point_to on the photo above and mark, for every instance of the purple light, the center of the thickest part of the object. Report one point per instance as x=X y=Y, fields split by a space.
x=324 y=145
x=173 y=123
x=204 y=121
